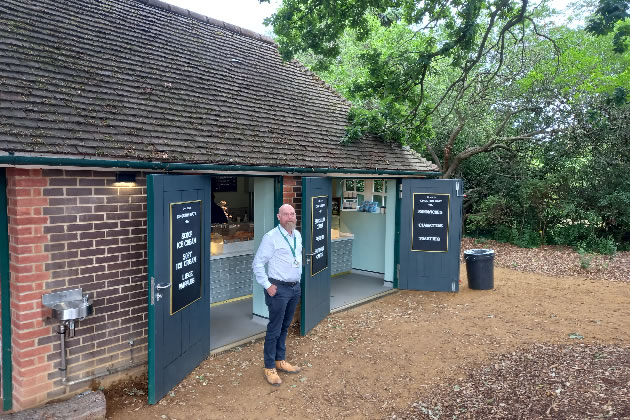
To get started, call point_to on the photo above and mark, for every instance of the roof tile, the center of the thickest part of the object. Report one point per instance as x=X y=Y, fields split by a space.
x=146 y=80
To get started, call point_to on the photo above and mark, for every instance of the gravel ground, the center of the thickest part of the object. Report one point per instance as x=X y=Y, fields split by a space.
x=555 y=260
x=551 y=340
x=542 y=381
x=539 y=382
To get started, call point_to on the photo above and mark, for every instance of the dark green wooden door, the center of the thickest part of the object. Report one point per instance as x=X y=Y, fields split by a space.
x=178 y=228
x=430 y=234
x=316 y=216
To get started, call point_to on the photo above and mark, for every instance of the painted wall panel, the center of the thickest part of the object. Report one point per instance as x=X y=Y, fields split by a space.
x=368 y=247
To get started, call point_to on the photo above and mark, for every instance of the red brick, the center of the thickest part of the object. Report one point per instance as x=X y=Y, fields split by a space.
x=30 y=278
x=27 y=325
x=29 y=220
x=29 y=240
x=36 y=333
x=24 y=306
x=23 y=344
x=17 y=172
x=16 y=249
x=27 y=287
x=19 y=192
x=38 y=389
x=26 y=316
x=31 y=296
x=25 y=363
x=37 y=351
x=21 y=269
x=38 y=371
x=19 y=211
x=30 y=259
x=29 y=381
x=31 y=202
x=31 y=182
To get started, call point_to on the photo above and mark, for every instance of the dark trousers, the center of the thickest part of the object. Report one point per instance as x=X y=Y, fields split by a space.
x=281 y=309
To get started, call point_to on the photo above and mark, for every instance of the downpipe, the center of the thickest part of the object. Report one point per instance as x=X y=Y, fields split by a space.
x=69 y=326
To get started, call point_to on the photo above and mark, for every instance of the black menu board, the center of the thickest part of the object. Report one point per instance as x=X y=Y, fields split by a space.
x=319 y=234
x=185 y=254
x=224 y=184
x=429 y=229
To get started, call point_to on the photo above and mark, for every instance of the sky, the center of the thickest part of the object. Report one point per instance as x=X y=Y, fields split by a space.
x=249 y=14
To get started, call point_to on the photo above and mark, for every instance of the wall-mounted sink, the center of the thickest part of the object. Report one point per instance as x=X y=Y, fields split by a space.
x=73 y=309
x=68 y=304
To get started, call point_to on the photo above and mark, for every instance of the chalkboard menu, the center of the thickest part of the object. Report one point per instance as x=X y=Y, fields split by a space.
x=224 y=184
x=319 y=234
x=429 y=229
x=185 y=254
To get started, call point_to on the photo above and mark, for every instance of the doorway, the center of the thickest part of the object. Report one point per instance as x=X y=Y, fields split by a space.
x=363 y=240
x=237 y=312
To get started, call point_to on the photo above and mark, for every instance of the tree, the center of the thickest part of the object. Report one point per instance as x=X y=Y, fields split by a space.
x=612 y=16
x=427 y=75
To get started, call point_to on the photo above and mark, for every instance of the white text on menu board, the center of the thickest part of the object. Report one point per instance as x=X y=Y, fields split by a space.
x=429 y=203
x=187 y=239
x=319 y=224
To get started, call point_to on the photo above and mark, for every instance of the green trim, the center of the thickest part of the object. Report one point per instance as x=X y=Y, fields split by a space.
x=278 y=195
x=150 y=274
x=165 y=166
x=397 y=234
x=5 y=298
x=303 y=294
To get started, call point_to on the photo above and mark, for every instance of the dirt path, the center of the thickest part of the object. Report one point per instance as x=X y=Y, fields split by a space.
x=375 y=360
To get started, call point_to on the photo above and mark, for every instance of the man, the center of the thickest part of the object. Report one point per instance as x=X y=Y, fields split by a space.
x=217 y=214
x=281 y=249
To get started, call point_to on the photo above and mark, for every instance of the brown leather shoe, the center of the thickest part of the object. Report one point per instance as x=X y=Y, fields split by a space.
x=272 y=377
x=284 y=366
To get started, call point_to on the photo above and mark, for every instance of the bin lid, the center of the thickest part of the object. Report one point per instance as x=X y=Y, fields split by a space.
x=479 y=252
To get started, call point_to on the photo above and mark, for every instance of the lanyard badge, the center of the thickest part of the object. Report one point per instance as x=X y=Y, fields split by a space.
x=296 y=264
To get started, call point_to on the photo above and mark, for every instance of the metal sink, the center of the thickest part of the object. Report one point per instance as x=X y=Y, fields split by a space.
x=68 y=304
x=74 y=309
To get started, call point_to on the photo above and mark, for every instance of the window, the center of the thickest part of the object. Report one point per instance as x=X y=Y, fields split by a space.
x=356 y=191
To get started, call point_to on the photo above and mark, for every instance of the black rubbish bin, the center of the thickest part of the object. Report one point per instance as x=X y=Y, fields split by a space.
x=480 y=268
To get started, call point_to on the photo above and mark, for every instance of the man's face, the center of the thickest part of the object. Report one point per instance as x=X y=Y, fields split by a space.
x=287 y=218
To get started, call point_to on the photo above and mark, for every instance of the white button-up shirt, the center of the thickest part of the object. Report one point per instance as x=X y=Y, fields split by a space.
x=275 y=252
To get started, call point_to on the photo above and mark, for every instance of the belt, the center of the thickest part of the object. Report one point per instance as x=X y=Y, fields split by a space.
x=282 y=283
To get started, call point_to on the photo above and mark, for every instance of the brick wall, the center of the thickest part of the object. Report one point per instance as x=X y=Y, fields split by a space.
x=292 y=194
x=71 y=229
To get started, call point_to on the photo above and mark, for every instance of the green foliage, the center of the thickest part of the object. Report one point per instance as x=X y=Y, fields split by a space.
x=411 y=69
x=611 y=16
x=534 y=117
x=585 y=259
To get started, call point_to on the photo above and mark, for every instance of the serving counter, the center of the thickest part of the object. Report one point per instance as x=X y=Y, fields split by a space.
x=231 y=271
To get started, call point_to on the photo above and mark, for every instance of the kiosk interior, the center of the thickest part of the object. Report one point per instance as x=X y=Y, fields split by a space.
x=362 y=236
x=232 y=252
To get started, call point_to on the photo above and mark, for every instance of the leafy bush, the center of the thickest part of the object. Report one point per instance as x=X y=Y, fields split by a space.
x=606 y=246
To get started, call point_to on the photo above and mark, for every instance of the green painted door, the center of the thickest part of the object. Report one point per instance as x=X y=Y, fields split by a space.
x=430 y=234
x=316 y=216
x=178 y=217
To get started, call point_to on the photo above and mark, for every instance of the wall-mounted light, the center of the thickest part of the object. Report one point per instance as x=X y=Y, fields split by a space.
x=125 y=179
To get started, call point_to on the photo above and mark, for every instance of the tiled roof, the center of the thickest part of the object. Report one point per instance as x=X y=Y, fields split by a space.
x=131 y=79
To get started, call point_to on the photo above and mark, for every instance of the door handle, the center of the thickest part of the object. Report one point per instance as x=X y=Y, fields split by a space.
x=160 y=286
x=308 y=257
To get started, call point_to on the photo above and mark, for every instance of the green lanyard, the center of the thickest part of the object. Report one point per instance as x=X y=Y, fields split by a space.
x=289 y=243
